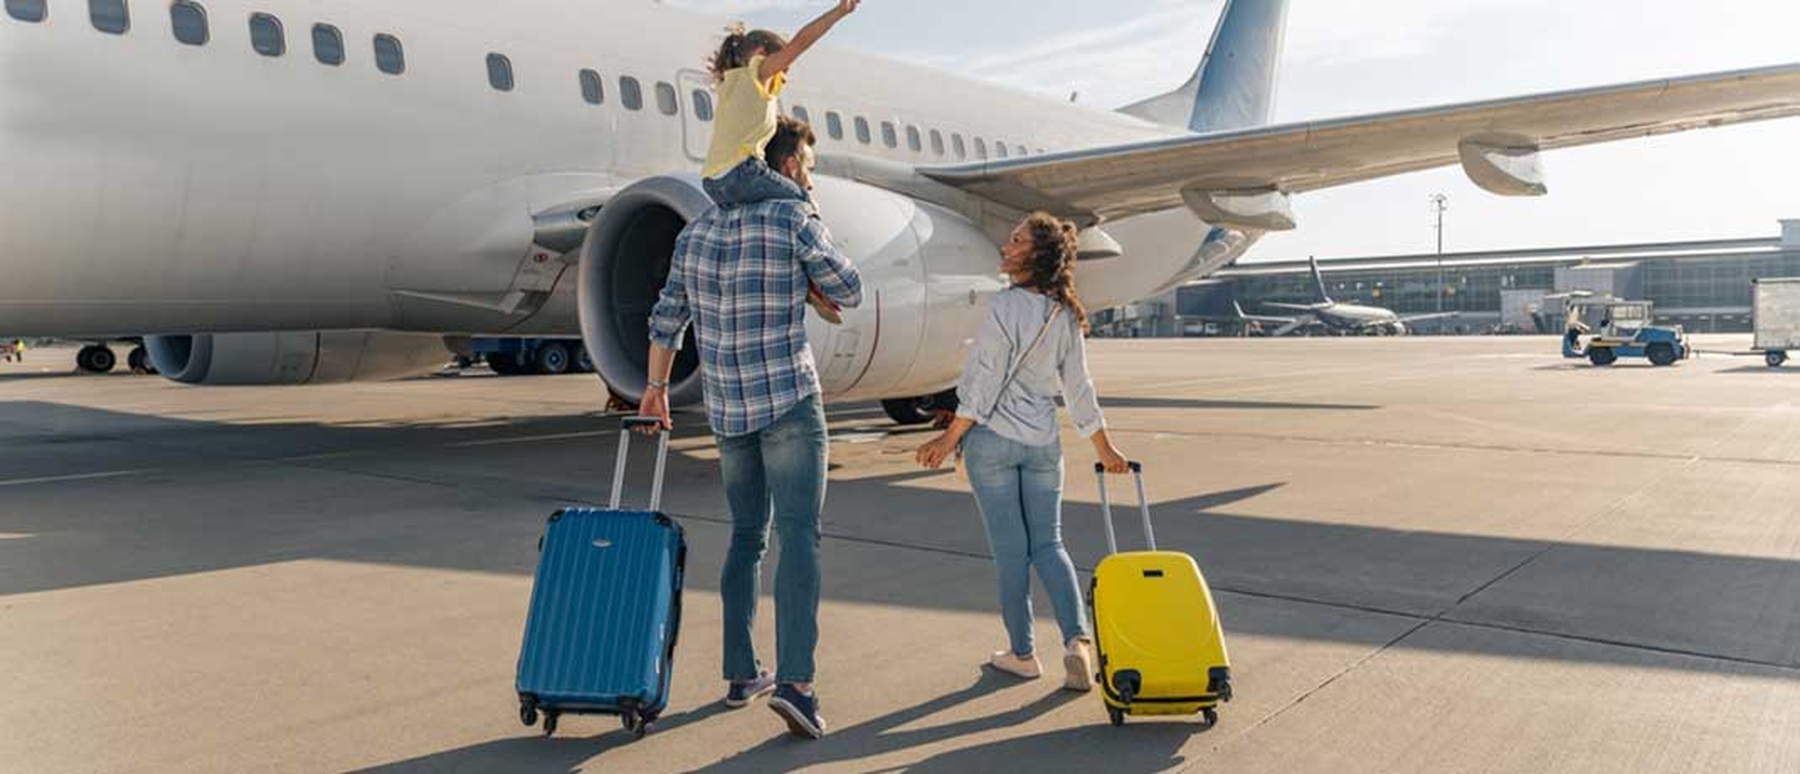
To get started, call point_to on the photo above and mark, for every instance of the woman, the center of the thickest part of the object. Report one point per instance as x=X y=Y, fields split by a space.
x=1028 y=350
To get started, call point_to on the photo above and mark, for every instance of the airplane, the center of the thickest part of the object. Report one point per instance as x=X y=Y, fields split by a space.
x=1338 y=317
x=288 y=192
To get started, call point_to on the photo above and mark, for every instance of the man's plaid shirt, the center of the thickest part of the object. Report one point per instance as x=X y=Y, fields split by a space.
x=740 y=274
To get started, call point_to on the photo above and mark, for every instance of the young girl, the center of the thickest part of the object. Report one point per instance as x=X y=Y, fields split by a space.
x=749 y=72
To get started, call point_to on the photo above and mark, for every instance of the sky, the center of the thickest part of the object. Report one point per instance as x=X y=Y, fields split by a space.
x=1350 y=58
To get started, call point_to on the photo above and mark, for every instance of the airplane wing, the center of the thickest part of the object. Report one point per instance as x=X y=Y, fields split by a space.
x=1290 y=307
x=1118 y=181
x=1293 y=326
x=1427 y=317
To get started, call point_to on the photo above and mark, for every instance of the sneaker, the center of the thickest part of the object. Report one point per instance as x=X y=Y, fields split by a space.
x=741 y=693
x=1079 y=663
x=1027 y=667
x=799 y=710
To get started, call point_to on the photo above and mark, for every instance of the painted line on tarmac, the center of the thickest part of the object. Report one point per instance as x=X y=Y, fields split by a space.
x=76 y=477
x=530 y=439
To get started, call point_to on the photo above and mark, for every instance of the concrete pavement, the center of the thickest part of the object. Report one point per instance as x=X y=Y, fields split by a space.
x=1431 y=555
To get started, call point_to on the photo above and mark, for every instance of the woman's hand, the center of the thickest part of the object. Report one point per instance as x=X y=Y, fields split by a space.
x=1114 y=461
x=932 y=455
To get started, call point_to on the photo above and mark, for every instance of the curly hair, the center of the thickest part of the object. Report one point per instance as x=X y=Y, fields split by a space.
x=1052 y=262
x=739 y=47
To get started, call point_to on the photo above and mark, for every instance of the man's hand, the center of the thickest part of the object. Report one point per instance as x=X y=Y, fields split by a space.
x=847 y=7
x=656 y=405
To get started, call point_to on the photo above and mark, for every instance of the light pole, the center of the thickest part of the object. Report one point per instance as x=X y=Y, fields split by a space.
x=1440 y=204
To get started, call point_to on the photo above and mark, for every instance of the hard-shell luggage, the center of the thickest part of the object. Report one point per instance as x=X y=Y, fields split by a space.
x=1161 y=650
x=605 y=608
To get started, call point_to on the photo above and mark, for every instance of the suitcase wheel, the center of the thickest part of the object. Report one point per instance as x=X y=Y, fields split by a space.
x=636 y=724
x=1210 y=717
x=550 y=723
x=528 y=714
x=1116 y=715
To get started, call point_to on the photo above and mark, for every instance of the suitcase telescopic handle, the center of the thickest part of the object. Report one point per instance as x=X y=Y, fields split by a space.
x=662 y=457
x=1112 y=540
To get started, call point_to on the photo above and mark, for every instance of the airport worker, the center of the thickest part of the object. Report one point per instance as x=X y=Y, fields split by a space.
x=18 y=350
x=740 y=277
x=1029 y=349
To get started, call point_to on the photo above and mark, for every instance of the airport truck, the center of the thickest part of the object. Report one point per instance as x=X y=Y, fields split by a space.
x=1775 y=315
x=522 y=356
x=1620 y=329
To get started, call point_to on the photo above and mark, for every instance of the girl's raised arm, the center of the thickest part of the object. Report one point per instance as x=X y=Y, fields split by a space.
x=778 y=62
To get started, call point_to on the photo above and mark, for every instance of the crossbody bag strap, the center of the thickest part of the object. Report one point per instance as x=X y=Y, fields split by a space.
x=1019 y=362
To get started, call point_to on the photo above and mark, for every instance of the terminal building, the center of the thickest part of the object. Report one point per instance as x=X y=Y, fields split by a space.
x=1702 y=286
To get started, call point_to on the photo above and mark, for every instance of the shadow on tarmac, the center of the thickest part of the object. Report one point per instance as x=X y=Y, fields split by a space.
x=1153 y=745
x=456 y=496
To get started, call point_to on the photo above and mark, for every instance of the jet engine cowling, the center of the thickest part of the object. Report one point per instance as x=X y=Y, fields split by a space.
x=286 y=358
x=926 y=272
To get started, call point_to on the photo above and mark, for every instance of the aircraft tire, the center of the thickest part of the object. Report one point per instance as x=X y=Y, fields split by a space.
x=907 y=411
x=96 y=359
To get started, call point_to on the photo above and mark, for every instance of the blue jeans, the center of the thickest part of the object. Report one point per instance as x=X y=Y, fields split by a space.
x=779 y=469
x=1019 y=490
x=751 y=182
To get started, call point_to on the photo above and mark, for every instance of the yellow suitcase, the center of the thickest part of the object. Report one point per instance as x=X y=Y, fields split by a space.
x=1160 y=648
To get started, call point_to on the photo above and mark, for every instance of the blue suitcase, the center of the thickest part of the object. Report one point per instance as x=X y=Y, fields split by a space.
x=605 y=609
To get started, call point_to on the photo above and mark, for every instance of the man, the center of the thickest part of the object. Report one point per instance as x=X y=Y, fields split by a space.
x=740 y=275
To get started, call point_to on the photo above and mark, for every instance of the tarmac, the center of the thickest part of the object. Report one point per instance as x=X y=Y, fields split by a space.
x=1430 y=555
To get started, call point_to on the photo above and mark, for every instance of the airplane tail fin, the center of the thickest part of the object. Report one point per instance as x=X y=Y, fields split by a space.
x=1318 y=279
x=1234 y=87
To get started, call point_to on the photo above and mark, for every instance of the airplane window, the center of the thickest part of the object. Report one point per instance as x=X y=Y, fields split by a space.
x=888 y=135
x=631 y=93
x=956 y=144
x=834 y=125
x=266 y=35
x=328 y=45
x=1000 y=149
x=862 y=131
x=188 y=20
x=937 y=142
x=800 y=114
x=666 y=100
x=390 y=57
x=913 y=139
x=110 y=16
x=500 y=72
x=703 y=107
x=27 y=10
x=981 y=149
x=592 y=88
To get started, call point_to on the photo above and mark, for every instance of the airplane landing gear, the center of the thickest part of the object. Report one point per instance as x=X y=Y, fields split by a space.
x=96 y=359
x=139 y=361
x=921 y=410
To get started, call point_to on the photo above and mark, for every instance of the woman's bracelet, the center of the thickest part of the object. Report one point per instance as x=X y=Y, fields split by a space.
x=658 y=384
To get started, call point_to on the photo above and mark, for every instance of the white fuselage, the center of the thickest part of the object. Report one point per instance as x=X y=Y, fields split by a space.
x=152 y=186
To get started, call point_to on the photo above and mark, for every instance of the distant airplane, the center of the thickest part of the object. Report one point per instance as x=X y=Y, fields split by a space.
x=1342 y=318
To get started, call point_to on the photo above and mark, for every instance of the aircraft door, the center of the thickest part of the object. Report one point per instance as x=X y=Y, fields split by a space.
x=697 y=105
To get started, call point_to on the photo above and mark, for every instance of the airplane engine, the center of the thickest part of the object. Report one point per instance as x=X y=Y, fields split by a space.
x=295 y=357
x=908 y=337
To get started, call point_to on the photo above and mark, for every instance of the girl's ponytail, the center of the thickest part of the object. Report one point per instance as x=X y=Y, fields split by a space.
x=739 y=47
